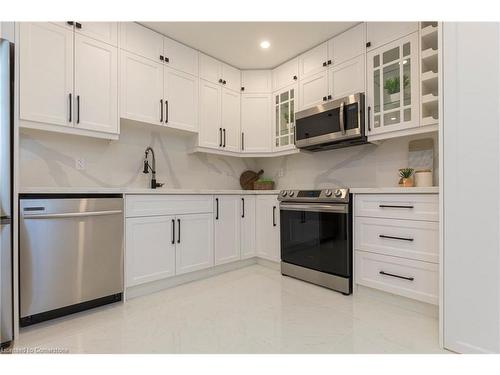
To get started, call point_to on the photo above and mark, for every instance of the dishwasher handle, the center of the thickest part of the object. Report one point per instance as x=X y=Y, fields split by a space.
x=72 y=214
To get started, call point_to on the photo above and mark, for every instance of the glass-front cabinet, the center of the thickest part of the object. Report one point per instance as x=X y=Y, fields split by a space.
x=284 y=107
x=393 y=86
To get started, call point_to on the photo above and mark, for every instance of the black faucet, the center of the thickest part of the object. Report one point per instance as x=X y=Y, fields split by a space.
x=148 y=167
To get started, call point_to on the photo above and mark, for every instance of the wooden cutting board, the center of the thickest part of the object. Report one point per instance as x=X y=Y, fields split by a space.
x=247 y=179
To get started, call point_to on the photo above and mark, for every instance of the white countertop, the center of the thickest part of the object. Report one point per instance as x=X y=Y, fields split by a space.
x=396 y=190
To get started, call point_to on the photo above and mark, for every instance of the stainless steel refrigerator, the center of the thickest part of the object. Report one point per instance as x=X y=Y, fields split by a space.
x=6 y=130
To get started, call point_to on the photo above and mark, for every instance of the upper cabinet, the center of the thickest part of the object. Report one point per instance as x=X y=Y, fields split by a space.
x=216 y=71
x=286 y=74
x=231 y=77
x=141 y=41
x=180 y=93
x=347 y=77
x=106 y=32
x=255 y=123
x=380 y=33
x=347 y=46
x=314 y=60
x=256 y=81
x=180 y=57
x=284 y=106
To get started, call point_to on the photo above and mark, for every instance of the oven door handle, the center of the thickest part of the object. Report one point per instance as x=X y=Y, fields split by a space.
x=336 y=208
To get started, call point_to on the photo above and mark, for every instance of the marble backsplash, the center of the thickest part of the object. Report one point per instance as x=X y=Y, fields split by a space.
x=49 y=160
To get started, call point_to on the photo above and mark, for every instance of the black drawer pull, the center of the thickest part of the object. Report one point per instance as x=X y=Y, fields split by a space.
x=179 y=231
x=243 y=207
x=397 y=276
x=393 y=206
x=173 y=231
x=274 y=216
x=216 y=208
x=395 y=238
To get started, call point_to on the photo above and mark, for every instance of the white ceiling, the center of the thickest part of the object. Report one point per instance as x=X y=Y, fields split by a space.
x=237 y=43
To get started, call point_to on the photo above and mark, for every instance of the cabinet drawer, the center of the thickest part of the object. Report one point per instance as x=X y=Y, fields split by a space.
x=398 y=206
x=154 y=205
x=417 y=240
x=405 y=277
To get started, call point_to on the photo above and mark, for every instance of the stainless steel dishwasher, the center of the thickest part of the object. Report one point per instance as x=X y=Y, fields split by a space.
x=70 y=253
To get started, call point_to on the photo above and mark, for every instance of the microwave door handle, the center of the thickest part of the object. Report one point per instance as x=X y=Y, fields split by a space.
x=341 y=118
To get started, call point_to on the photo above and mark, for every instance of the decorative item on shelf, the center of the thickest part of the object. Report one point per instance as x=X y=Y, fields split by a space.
x=393 y=88
x=406 y=179
x=423 y=178
x=263 y=184
x=247 y=179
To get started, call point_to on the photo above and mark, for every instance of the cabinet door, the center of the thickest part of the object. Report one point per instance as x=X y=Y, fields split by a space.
x=232 y=76
x=247 y=222
x=256 y=81
x=96 y=85
x=46 y=73
x=313 y=61
x=141 y=88
x=313 y=90
x=256 y=122
x=347 y=45
x=286 y=74
x=347 y=78
x=150 y=251
x=194 y=242
x=141 y=41
x=231 y=119
x=181 y=100
x=106 y=32
x=393 y=86
x=380 y=33
x=227 y=228
x=210 y=115
x=284 y=104
x=267 y=229
x=210 y=68
x=180 y=57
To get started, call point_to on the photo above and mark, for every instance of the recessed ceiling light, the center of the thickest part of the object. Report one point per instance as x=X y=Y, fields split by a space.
x=265 y=44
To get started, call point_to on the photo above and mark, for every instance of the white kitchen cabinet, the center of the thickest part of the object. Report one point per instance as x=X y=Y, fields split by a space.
x=393 y=82
x=141 y=88
x=313 y=61
x=181 y=100
x=106 y=32
x=256 y=123
x=46 y=73
x=348 y=45
x=286 y=74
x=313 y=90
x=180 y=57
x=194 y=248
x=210 y=115
x=247 y=226
x=268 y=227
x=230 y=120
x=231 y=77
x=380 y=33
x=347 y=78
x=210 y=68
x=141 y=41
x=96 y=85
x=227 y=228
x=150 y=249
x=256 y=81
x=284 y=107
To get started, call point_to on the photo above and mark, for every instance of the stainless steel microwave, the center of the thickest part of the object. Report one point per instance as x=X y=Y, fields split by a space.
x=336 y=124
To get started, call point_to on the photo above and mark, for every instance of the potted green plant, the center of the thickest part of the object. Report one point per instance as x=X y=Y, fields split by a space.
x=406 y=179
x=263 y=183
x=392 y=88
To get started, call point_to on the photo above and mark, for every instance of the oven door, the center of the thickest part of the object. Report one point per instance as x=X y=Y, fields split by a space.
x=317 y=236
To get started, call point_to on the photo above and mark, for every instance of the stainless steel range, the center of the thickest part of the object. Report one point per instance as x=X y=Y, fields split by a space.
x=316 y=237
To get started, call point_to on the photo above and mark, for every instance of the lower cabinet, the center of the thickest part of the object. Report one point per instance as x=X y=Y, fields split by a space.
x=268 y=227
x=227 y=228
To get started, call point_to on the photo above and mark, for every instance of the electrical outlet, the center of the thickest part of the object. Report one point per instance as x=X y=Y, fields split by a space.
x=281 y=172
x=80 y=164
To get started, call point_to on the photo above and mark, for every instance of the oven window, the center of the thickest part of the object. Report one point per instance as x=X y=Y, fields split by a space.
x=316 y=240
x=351 y=116
x=320 y=124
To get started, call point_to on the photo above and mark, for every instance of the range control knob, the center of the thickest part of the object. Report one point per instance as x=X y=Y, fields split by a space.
x=291 y=193
x=283 y=193
x=328 y=193
x=338 y=193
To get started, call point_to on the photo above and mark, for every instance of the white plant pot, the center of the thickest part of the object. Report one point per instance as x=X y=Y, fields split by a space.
x=394 y=97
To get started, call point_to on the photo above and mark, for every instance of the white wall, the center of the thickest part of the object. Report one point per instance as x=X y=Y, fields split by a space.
x=471 y=187
x=47 y=159
x=360 y=166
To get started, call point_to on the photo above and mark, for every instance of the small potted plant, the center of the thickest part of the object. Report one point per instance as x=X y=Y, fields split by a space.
x=263 y=183
x=392 y=87
x=406 y=179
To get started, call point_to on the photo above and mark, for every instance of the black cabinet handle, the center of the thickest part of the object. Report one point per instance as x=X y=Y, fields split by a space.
x=224 y=82
x=398 y=276
x=395 y=238
x=220 y=80
x=369 y=118
x=161 y=110
x=242 y=88
x=324 y=98
x=166 y=111
x=329 y=62
x=243 y=207
x=179 y=231
x=161 y=58
x=394 y=206
x=216 y=208
x=70 y=107
x=274 y=216
x=78 y=25
x=220 y=137
x=324 y=63
x=294 y=78
x=173 y=231
x=224 y=132
x=71 y=23
x=78 y=109
x=329 y=97
x=368 y=44
x=167 y=59
x=242 y=140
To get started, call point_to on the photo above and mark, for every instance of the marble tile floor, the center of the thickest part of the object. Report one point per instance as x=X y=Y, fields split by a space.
x=250 y=310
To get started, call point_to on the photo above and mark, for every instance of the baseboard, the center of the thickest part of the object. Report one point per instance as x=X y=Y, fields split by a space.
x=274 y=265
